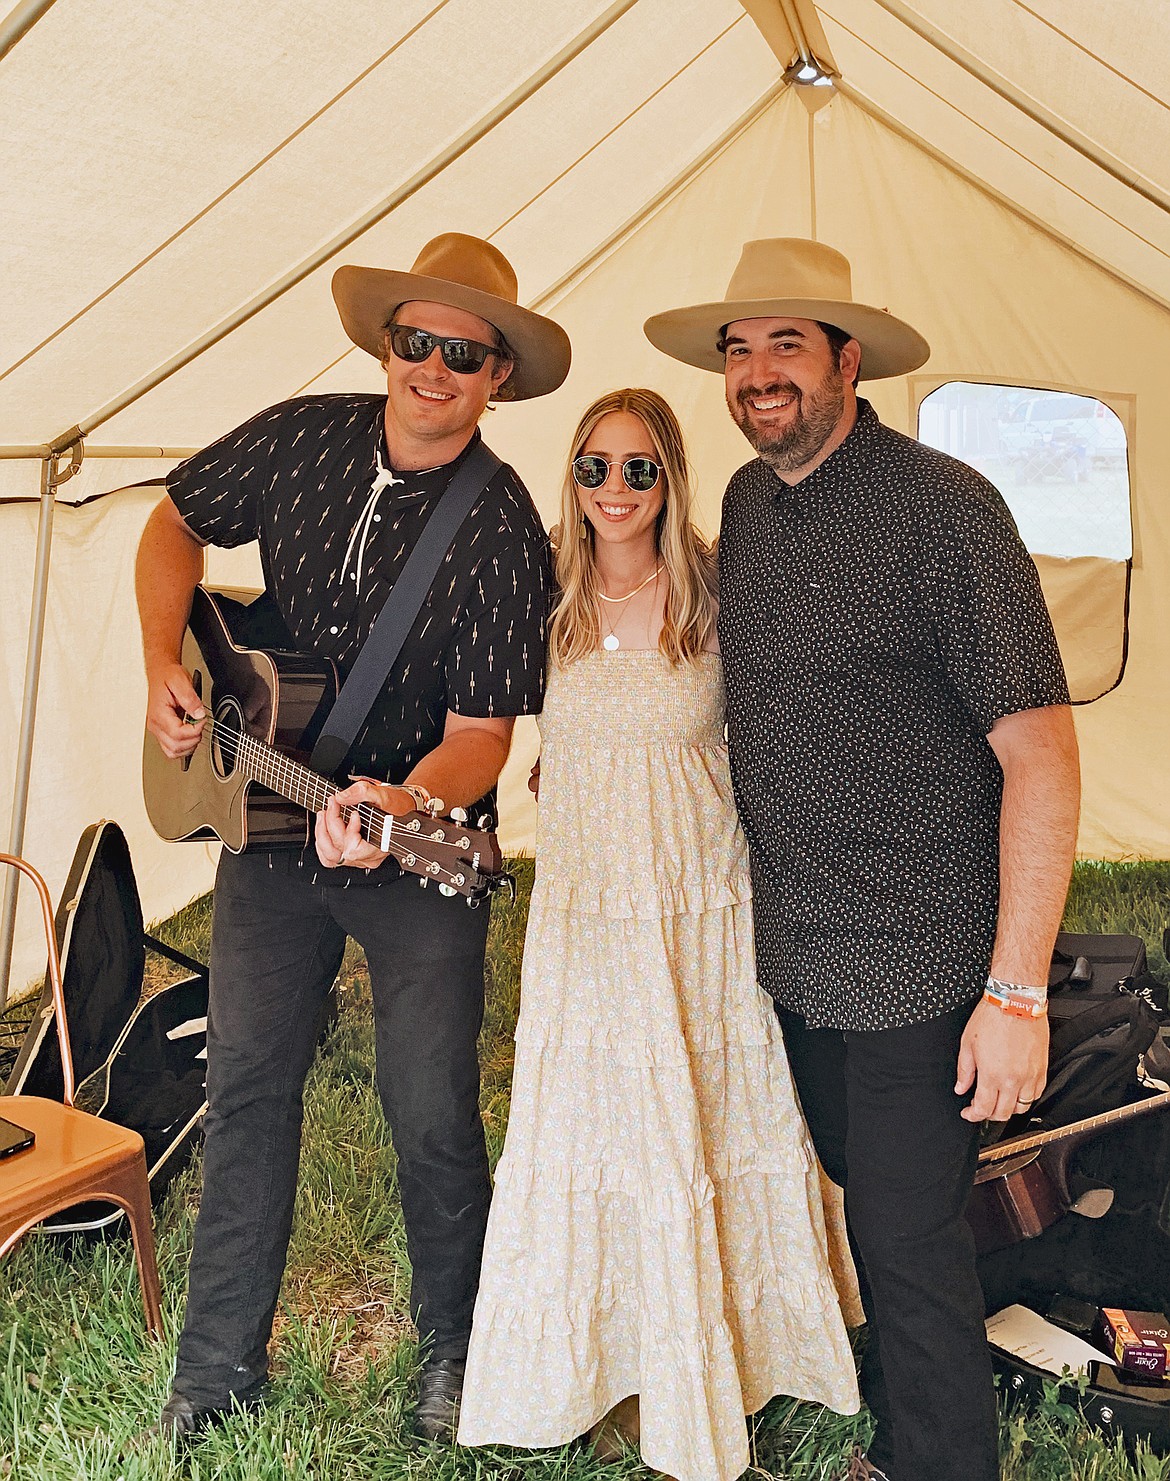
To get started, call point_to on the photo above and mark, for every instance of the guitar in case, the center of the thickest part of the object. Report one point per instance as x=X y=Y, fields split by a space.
x=247 y=783
x=139 y=1062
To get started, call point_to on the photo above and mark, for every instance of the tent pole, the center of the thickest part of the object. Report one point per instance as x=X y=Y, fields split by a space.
x=51 y=479
x=17 y=23
x=792 y=16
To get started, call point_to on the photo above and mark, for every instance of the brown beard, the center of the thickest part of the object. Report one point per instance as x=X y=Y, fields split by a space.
x=817 y=414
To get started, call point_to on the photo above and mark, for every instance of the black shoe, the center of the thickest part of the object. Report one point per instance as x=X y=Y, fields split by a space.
x=182 y=1420
x=440 y=1385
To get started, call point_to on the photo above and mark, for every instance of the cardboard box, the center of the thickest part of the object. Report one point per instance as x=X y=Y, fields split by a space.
x=1139 y=1340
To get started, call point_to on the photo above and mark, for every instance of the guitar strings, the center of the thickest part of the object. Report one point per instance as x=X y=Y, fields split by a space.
x=285 y=769
x=1005 y=1151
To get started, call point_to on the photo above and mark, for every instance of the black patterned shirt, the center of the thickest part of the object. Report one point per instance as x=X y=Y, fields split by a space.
x=876 y=620
x=300 y=478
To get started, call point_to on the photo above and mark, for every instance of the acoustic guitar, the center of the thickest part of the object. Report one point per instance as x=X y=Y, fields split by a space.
x=247 y=784
x=1022 y=1185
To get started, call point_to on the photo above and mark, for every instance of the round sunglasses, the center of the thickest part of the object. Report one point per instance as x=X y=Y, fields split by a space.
x=639 y=474
x=462 y=356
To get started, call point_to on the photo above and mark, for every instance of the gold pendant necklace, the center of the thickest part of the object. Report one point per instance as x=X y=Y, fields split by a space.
x=611 y=642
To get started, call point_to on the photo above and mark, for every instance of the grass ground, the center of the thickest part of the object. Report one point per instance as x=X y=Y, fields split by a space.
x=81 y=1377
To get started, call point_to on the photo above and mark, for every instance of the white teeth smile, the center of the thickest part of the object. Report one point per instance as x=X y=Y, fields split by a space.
x=614 y=510
x=773 y=403
x=431 y=395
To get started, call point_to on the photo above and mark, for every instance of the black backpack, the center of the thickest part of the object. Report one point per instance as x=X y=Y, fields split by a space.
x=1104 y=1012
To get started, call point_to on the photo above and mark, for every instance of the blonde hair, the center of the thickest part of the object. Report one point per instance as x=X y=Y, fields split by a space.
x=689 y=560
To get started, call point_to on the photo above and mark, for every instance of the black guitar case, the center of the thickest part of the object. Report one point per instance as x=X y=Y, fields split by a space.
x=1105 y=1014
x=139 y=1062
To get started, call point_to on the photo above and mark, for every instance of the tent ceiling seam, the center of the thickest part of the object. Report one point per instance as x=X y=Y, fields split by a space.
x=224 y=194
x=597 y=143
x=1004 y=143
x=260 y=301
x=1034 y=110
x=567 y=279
x=19 y=22
x=664 y=196
x=877 y=112
x=633 y=113
x=632 y=223
x=1092 y=55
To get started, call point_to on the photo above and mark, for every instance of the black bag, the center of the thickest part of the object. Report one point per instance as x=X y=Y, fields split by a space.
x=1104 y=1010
x=139 y=1062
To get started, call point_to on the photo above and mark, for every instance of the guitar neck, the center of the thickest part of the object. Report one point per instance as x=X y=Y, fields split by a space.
x=1077 y=1130
x=297 y=783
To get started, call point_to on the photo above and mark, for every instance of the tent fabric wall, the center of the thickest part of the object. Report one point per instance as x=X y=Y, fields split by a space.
x=163 y=168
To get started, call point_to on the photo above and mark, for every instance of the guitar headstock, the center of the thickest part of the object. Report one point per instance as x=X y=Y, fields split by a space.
x=460 y=860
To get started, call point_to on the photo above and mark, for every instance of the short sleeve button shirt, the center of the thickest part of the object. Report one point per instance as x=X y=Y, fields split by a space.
x=876 y=620
x=299 y=479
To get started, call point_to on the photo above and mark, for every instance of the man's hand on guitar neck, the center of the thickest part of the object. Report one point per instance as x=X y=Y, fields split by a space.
x=340 y=842
x=174 y=712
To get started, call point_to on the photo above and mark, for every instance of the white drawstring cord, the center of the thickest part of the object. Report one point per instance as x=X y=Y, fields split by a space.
x=383 y=479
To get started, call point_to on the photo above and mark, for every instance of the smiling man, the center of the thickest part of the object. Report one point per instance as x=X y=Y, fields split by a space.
x=905 y=766
x=337 y=489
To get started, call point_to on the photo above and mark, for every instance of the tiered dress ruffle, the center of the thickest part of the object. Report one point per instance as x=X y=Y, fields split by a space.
x=657 y=1225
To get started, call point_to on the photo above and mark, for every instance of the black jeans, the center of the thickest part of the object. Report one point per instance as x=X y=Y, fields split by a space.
x=277 y=944
x=885 y=1121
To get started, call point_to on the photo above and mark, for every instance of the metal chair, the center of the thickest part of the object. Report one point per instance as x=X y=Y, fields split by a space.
x=76 y=1156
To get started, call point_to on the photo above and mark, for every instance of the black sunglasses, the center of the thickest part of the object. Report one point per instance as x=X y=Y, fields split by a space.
x=640 y=474
x=463 y=356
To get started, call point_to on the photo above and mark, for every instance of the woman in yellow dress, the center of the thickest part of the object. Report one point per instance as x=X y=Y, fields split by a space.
x=656 y=1244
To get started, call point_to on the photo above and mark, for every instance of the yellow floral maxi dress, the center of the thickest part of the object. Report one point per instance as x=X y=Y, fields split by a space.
x=657 y=1224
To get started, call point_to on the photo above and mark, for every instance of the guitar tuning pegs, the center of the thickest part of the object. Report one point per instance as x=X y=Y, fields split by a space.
x=484 y=821
x=458 y=815
x=423 y=883
x=436 y=807
x=445 y=889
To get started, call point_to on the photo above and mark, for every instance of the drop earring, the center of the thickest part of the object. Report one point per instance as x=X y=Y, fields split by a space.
x=582 y=532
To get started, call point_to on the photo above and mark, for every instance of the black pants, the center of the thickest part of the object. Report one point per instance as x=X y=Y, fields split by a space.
x=277 y=943
x=885 y=1121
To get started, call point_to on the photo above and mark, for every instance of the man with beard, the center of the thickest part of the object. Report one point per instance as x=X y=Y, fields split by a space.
x=905 y=766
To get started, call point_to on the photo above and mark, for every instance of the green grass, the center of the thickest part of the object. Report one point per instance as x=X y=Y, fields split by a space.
x=81 y=1377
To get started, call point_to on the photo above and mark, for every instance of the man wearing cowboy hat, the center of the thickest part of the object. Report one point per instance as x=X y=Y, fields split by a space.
x=337 y=489
x=905 y=766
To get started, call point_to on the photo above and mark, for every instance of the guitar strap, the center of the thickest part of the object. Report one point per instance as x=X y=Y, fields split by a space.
x=402 y=606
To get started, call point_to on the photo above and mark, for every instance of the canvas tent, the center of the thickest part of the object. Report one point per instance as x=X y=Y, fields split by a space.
x=180 y=181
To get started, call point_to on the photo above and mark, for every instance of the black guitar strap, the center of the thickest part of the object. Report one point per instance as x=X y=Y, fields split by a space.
x=402 y=606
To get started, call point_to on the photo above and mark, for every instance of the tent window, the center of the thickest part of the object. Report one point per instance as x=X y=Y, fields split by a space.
x=1059 y=460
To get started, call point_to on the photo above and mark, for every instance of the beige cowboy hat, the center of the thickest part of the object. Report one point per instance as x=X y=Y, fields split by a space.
x=778 y=276
x=465 y=273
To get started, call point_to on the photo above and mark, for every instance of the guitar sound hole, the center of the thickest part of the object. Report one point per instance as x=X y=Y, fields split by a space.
x=225 y=737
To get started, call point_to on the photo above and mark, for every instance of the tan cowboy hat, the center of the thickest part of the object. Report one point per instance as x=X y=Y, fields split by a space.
x=466 y=273
x=778 y=276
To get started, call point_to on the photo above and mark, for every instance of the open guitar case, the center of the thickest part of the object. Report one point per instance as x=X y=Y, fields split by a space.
x=139 y=1062
x=1107 y=1012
